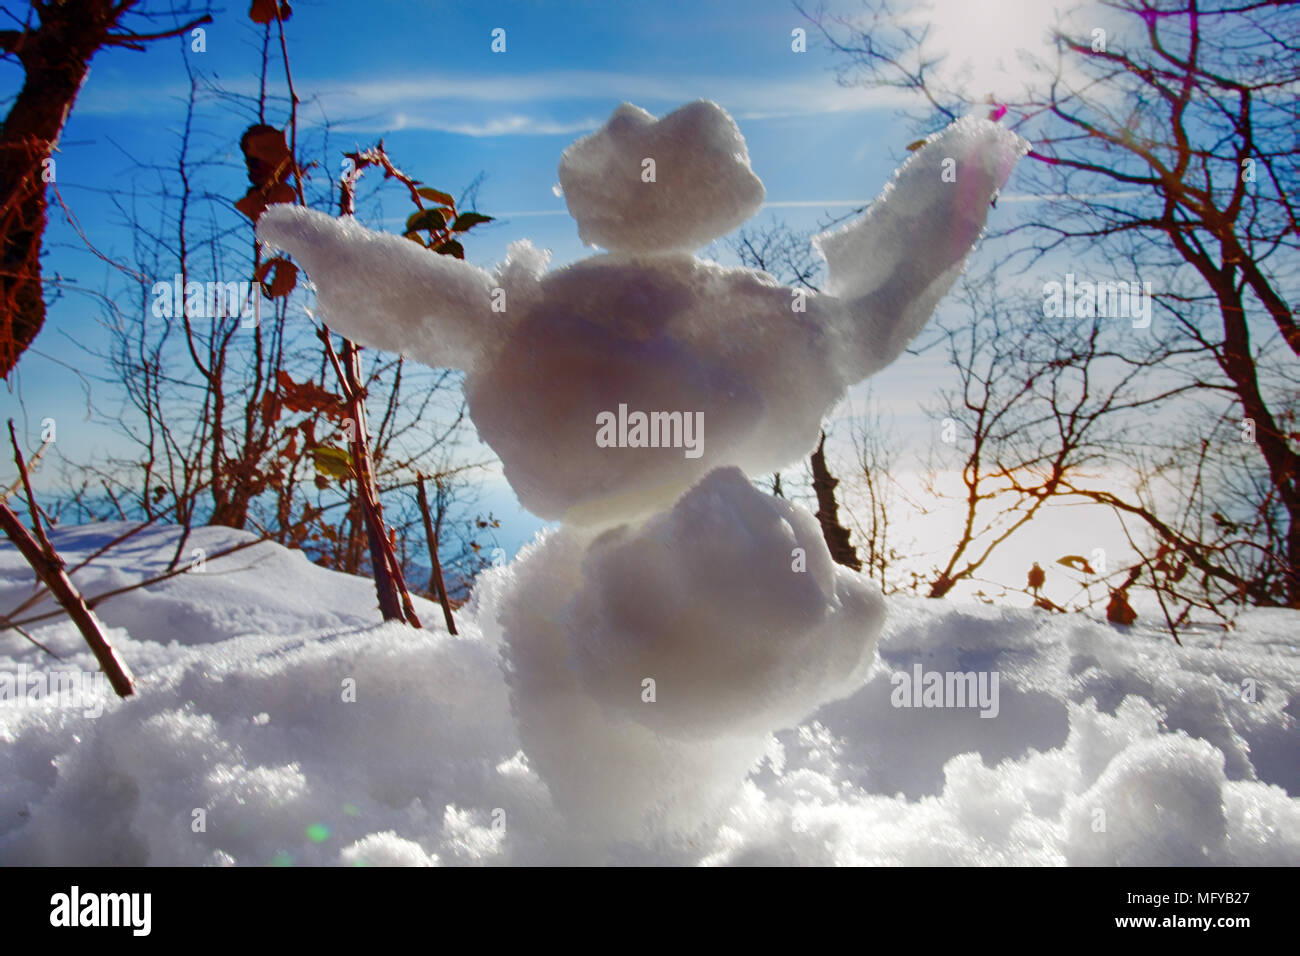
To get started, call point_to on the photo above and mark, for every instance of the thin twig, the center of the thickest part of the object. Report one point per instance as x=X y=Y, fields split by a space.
x=8 y=623
x=27 y=490
x=97 y=599
x=18 y=482
x=49 y=567
x=436 y=574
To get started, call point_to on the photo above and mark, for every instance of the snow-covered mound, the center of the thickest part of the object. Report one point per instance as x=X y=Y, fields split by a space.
x=276 y=723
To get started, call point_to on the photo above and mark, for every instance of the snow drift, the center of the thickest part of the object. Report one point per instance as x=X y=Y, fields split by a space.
x=241 y=714
x=655 y=652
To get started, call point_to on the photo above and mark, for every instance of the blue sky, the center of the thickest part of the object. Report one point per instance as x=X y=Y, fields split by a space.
x=423 y=76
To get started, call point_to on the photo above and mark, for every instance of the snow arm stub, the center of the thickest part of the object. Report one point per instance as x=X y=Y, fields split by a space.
x=892 y=265
x=386 y=292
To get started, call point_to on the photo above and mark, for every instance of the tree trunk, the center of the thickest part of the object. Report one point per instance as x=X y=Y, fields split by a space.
x=836 y=535
x=55 y=58
x=1283 y=463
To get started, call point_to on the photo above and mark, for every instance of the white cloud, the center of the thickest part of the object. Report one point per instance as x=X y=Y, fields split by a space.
x=514 y=124
x=760 y=96
x=464 y=105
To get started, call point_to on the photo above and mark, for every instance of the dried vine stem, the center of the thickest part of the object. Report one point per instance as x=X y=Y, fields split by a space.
x=51 y=570
x=436 y=574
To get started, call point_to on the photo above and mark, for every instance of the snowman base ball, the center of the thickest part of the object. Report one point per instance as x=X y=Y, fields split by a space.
x=649 y=663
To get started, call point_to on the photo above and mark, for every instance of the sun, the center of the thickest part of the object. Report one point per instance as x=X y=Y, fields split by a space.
x=984 y=43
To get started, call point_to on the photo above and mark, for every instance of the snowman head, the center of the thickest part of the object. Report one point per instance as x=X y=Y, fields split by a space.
x=640 y=185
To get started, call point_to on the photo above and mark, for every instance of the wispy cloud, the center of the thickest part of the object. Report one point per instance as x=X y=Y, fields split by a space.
x=813 y=203
x=755 y=97
x=1005 y=197
x=514 y=124
x=849 y=203
x=464 y=105
x=547 y=103
x=1080 y=197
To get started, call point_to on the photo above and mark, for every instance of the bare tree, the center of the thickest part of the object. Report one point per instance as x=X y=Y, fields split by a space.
x=874 y=496
x=239 y=415
x=1168 y=144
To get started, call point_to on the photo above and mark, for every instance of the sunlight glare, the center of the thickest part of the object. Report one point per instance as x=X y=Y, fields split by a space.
x=983 y=41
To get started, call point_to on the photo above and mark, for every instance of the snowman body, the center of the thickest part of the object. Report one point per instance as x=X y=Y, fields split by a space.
x=678 y=616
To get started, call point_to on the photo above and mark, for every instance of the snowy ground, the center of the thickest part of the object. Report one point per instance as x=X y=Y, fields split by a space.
x=241 y=747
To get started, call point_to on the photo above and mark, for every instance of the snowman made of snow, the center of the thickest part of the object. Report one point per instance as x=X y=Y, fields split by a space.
x=678 y=616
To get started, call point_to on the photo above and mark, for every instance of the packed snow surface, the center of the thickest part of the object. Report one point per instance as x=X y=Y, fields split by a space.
x=1109 y=745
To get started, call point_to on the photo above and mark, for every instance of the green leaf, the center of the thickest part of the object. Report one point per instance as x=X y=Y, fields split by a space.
x=442 y=199
x=332 y=462
x=430 y=219
x=450 y=248
x=468 y=220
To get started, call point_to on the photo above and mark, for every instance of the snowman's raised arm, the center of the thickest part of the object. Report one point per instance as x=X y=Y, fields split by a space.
x=890 y=267
x=386 y=292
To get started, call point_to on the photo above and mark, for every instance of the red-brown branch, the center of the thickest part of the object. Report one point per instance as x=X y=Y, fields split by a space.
x=436 y=573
